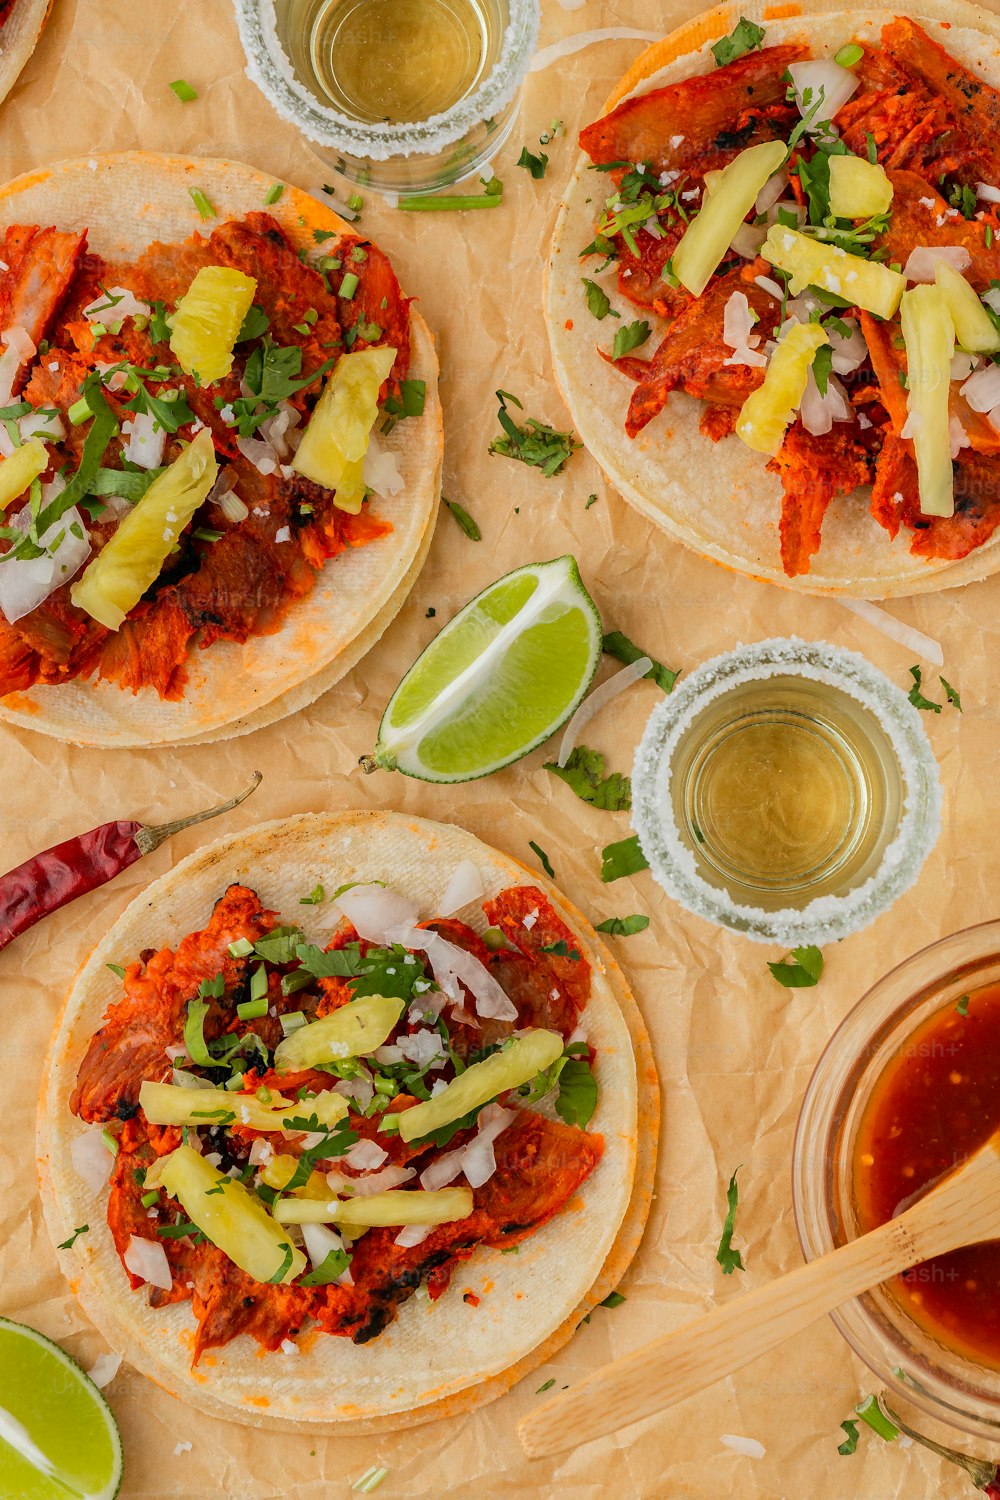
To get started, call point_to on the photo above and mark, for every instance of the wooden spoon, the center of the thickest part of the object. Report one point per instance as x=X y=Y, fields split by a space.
x=963 y=1209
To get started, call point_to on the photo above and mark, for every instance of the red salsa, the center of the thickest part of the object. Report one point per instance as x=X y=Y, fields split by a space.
x=935 y=1104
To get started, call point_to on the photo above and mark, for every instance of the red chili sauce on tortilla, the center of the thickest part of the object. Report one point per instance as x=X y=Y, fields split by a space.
x=935 y=1104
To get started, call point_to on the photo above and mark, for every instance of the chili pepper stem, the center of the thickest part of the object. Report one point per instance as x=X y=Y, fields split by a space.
x=980 y=1470
x=150 y=838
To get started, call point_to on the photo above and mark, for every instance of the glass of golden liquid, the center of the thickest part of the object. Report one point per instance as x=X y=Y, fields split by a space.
x=405 y=96
x=786 y=790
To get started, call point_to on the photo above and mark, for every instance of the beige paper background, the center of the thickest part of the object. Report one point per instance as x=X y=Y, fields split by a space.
x=734 y=1050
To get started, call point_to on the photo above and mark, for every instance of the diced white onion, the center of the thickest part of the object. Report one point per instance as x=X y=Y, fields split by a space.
x=380 y=470
x=415 y=1234
x=770 y=286
x=360 y=1088
x=596 y=700
x=380 y=1182
x=962 y=365
x=92 y=1161
x=958 y=435
x=146 y=440
x=373 y=910
x=174 y=1051
x=982 y=390
x=737 y=322
x=837 y=85
x=987 y=193
x=128 y=306
x=748 y=239
x=261 y=1152
x=424 y=1048
x=453 y=967
x=260 y=455
x=43 y=424
x=187 y=1080
x=320 y=1240
x=923 y=260
x=912 y=425
x=818 y=412
x=27 y=582
x=465 y=886
x=771 y=191
x=849 y=352
x=20 y=348
x=276 y=429
x=365 y=1156
x=992 y=298
x=148 y=1260
x=117 y=380
x=476 y=1158
x=749 y=1447
x=388 y=1055
x=442 y=1170
x=104 y=1369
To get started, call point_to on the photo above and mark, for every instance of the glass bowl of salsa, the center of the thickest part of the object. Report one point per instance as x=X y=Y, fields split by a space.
x=908 y=1087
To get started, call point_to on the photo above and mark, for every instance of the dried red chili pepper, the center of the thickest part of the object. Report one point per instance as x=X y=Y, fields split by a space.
x=48 y=880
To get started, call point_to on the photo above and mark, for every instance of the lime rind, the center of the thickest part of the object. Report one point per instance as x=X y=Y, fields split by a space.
x=499 y=679
x=58 y=1436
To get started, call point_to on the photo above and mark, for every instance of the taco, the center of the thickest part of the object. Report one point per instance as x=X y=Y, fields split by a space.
x=335 y=1117
x=787 y=233
x=222 y=446
x=21 y=23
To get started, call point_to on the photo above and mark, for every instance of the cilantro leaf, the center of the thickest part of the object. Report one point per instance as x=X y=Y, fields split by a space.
x=546 y=863
x=279 y=946
x=254 y=325
x=729 y=1259
x=464 y=520
x=534 y=443
x=822 y=367
x=850 y=1443
x=315 y=897
x=282 y=1270
x=330 y=1269
x=80 y=1229
x=622 y=649
x=745 y=37
x=951 y=693
x=170 y=414
x=116 y=969
x=584 y=774
x=598 y=300
x=622 y=858
x=963 y=1005
x=535 y=164
x=623 y=926
x=613 y=1299
x=629 y=336
x=802 y=972
x=561 y=949
x=917 y=698
x=194 y=1035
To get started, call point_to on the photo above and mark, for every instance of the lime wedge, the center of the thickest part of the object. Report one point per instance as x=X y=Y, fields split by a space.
x=498 y=679
x=58 y=1439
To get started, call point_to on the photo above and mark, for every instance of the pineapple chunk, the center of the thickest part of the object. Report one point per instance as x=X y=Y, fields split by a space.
x=334 y=444
x=507 y=1069
x=131 y=561
x=231 y=1217
x=859 y=189
x=408 y=1207
x=350 y=1031
x=17 y=471
x=171 y=1104
x=724 y=207
x=768 y=410
x=279 y=1171
x=809 y=262
x=929 y=336
x=206 y=325
x=974 y=328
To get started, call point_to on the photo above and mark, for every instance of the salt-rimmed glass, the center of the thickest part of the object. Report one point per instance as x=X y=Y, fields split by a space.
x=905 y=836
x=404 y=158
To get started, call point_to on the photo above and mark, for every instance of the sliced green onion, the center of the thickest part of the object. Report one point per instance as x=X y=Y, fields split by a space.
x=273 y=193
x=869 y=1411
x=202 y=204
x=252 y=1010
x=291 y=1021
x=258 y=983
x=370 y=1480
x=183 y=90
x=206 y=534
x=79 y=411
x=148 y=1199
x=849 y=55
x=236 y=1082
x=242 y=948
x=348 y=286
x=110 y=1141
x=356 y=203
x=427 y=203
x=385 y=1086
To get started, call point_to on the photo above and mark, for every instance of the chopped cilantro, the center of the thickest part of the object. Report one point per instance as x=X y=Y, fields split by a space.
x=315 y=897
x=822 y=367
x=623 y=926
x=535 y=164
x=185 y=93
x=598 y=300
x=409 y=403
x=613 y=1299
x=622 y=649
x=745 y=37
x=282 y=1270
x=963 y=1005
x=464 y=520
x=729 y=1259
x=584 y=774
x=331 y=1268
x=591 y=500
x=622 y=858
x=534 y=443
x=951 y=693
x=116 y=969
x=629 y=336
x=545 y=1386
x=802 y=971
x=543 y=859
x=254 y=325
x=204 y=206
x=80 y=1229
x=917 y=698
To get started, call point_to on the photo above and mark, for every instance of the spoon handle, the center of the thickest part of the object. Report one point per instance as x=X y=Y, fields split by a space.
x=959 y=1211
